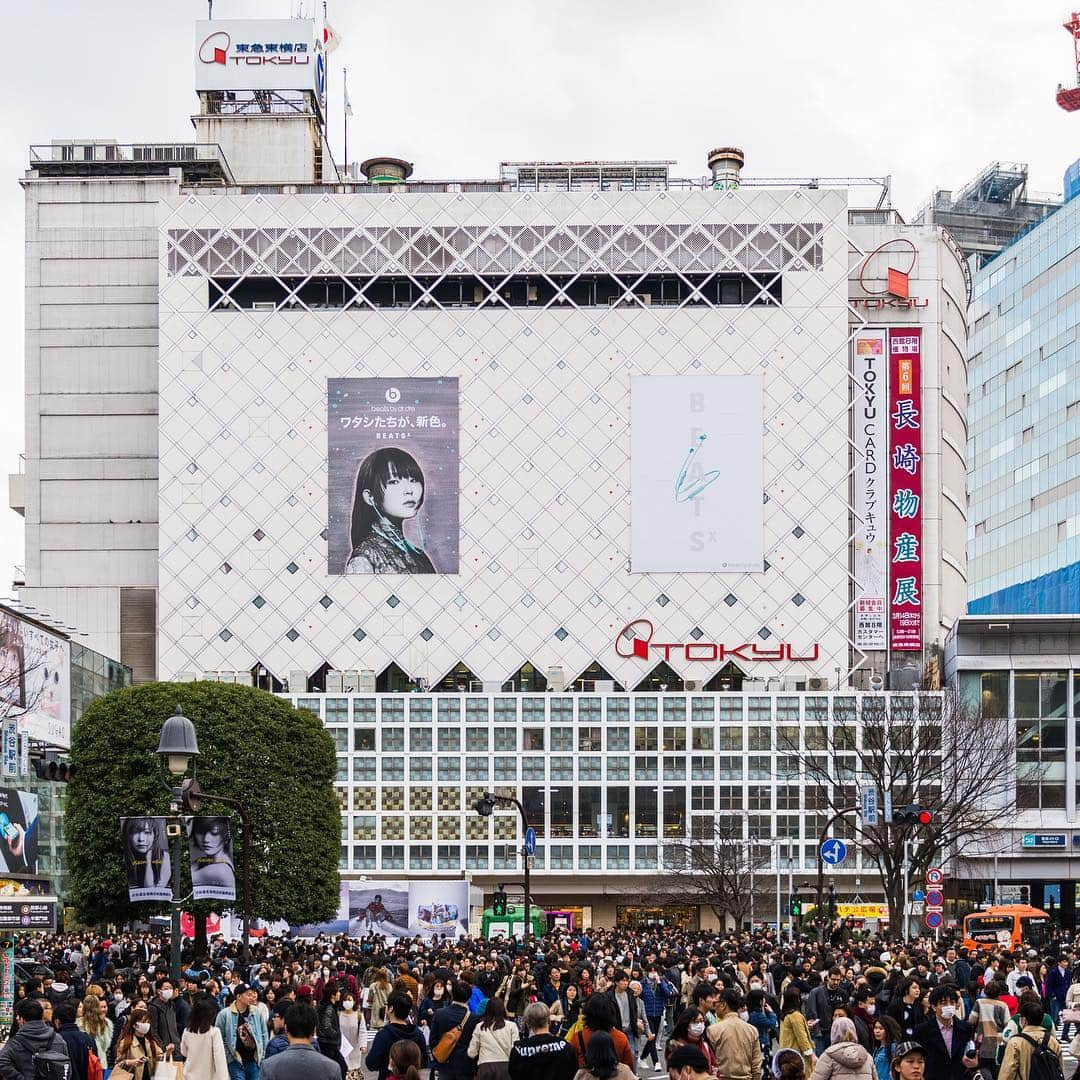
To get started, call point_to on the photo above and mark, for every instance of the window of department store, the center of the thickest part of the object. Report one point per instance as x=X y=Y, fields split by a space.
x=470 y=291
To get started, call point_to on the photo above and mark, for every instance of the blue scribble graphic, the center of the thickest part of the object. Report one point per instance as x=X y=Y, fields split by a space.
x=687 y=490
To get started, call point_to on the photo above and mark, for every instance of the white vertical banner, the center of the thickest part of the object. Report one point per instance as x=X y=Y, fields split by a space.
x=24 y=755
x=871 y=487
x=11 y=749
x=696 y=486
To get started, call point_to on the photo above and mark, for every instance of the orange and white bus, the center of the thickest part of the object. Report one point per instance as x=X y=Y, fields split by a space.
x=1007 y=926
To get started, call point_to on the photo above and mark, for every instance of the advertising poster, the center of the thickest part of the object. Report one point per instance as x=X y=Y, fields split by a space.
x=18 y=832
x=905 y=489
x=393 y=483
x=696 y=474
x=257 y=54
x=35 y=680
x=871 y=540
x=439 y=907
x=210 y=849
x=397 y=909
x=382 y=907
x=146 y=856
x=7 y=981
x=11 y=749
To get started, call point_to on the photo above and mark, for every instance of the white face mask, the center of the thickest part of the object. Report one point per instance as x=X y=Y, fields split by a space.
x=348 y=1004
x=871 y=1008
x=696 y=1029
x=142 y=1029
x=166 y=994
x=948 y=1012
x=755 y=986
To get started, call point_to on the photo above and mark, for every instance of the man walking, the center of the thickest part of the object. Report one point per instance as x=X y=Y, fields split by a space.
x=1020 y=1049
x=948 y=1043
x=32 y=1037
x=458 y=1066
x=243 y=1031
x=300 y=1060
x=735 y=1043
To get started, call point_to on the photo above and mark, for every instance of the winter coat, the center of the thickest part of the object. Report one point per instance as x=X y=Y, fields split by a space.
x=656 y=996
x=204 y=1055
x=489 y=1044
x=844 y=1061
x=736 y=1048
x=542 y=1057
x=378 y=1055
x=17 y=1055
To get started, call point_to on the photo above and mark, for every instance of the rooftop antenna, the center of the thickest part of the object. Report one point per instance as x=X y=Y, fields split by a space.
x=1068 y=97
x=210 y=9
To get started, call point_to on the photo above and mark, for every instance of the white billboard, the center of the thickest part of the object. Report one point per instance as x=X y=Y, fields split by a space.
x=35 y=681
x=871 y=487
x=696 y=488
x=258 y=54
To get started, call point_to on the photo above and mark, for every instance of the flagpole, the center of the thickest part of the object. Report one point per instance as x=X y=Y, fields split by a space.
x=345 y=111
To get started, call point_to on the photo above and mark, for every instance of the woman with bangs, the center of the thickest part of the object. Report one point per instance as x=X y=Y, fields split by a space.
x=389 y=491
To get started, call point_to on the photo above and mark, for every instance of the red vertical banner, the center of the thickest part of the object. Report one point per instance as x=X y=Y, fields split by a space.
x=905 y=488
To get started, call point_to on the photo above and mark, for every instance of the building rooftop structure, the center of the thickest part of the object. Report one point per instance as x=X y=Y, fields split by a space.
x=989 y=211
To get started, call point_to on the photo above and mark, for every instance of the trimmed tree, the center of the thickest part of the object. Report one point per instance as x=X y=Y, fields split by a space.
x=279 y=761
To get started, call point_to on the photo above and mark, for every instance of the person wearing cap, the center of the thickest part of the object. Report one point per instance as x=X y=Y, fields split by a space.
x=688 y=1063
x=908 y=1061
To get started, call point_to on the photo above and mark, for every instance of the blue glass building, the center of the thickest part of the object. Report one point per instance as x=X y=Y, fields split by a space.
x=1024 y=423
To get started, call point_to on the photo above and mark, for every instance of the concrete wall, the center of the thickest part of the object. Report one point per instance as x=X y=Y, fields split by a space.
x=91 y=397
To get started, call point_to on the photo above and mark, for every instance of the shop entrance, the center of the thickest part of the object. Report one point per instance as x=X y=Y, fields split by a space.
x=642 y=917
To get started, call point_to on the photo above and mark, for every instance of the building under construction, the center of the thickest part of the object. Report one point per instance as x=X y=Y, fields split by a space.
x=990 y=211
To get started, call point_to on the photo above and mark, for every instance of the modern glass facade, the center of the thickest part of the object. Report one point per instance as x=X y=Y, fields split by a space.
x=1024 y=424
x=613 y=784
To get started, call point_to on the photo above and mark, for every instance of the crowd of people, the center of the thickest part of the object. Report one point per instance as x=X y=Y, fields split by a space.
x=587 y=1005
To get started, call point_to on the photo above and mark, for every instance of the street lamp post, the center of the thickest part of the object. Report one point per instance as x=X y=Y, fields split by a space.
x=485 y=805
x=178 y=745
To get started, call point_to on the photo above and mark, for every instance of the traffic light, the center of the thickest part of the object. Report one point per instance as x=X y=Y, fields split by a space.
x=485 y=805
x=796 y=907
x=1025 y=894
x=832 y=901
x=50 y=767
x=912 y=815
x=498 y=904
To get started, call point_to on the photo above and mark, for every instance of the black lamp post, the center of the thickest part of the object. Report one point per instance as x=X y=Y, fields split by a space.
x=176 y=748
x=485 y=805
x=178 y=745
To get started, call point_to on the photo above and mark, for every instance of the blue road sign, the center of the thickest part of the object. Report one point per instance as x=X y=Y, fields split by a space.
x=530 y=841
x=918 y=896
x=833 y=851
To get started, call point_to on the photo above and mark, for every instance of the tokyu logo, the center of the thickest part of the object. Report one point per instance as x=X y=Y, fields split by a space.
x=635 y=641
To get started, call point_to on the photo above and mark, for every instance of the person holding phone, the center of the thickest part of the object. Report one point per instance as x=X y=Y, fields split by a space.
x=137 y=1050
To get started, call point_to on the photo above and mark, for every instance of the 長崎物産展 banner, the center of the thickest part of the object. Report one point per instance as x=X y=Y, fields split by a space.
x=696 y=470
x=905 y=488
x=393 y=484
x=871 y=487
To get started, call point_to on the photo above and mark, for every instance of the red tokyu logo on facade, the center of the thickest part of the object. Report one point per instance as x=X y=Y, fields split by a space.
x=635 y=641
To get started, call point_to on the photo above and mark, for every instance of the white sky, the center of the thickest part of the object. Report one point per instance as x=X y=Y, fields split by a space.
x=928 y=92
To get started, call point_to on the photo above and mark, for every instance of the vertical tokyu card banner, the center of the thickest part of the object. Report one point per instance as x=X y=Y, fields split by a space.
x=696 y=488
x=905 y=488
x=871 y=485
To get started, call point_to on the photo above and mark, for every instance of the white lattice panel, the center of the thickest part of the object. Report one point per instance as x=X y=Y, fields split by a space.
x=544 y=429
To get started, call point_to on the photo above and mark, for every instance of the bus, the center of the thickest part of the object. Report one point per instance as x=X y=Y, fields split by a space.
x=1008 y=926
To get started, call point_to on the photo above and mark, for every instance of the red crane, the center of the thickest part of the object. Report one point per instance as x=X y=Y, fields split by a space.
x=1069 y=97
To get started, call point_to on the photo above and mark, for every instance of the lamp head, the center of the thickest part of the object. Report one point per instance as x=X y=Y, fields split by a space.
x=178 y=744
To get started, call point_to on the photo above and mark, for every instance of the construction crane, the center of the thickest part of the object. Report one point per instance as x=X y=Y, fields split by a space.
x=1069 y=97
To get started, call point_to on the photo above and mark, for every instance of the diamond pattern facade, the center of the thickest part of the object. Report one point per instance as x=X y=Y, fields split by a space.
x=544 y=428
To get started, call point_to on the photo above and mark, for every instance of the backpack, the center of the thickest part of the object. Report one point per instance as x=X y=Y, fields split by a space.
x=1044 y=1063
x=448 y=1040
x=51 y=1065
x=94 y=1069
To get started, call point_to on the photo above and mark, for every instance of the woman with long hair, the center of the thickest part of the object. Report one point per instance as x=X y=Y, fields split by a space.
x=148 y=853
x=404 y=1061
x=389 y=491
x=492 y=1040
x=202 y=1045
x=137 y=1050
x=95 y=1022
x=377 y=994
x=601 y=1061
x=886 y=1038
x=794 y=1031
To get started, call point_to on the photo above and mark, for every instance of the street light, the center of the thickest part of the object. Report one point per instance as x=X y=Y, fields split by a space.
x=485 y=806
x=177 y=747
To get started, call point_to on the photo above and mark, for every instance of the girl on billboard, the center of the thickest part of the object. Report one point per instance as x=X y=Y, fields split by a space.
x=147 y=853
x=389 y=491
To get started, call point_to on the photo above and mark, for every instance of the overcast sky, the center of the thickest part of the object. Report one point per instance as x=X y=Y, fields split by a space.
x=928 y=92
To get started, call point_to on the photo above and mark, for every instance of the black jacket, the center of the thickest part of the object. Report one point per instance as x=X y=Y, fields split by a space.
x=542 y=1057
x=460 y=1066
x=378 y=1055
x=940 y=1064
x=328 y=1030
x=79 y=1046
x=17 y=1055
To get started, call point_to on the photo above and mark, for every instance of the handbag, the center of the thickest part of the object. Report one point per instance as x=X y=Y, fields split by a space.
x=167 y=1069
x=119 y=1072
